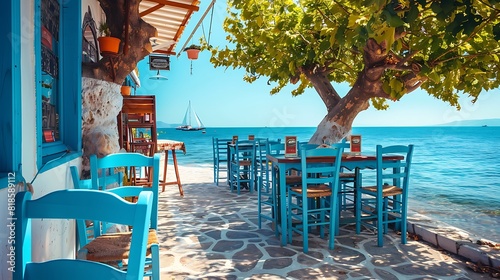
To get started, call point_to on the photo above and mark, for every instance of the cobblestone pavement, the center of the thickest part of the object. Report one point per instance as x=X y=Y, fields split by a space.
x=211 y=233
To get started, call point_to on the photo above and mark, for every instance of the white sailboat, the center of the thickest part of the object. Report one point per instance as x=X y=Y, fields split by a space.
x=188 y=117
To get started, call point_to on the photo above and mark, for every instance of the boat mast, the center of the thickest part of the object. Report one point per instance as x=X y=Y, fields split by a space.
x=189 y=112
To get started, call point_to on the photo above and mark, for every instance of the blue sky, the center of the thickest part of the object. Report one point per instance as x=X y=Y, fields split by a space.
x=222 y=99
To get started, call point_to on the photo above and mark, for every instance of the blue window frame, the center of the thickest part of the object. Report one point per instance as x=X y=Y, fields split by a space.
x=58 y=52
x=10 y=90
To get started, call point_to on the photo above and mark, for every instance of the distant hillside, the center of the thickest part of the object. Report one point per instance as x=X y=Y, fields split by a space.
x=488 y=122
x=160 y=124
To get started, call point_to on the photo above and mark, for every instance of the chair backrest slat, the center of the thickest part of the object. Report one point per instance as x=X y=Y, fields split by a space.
x=219 y=146
x=321 y=166
x=128 y=160
x=394 y=172
x=276 y=149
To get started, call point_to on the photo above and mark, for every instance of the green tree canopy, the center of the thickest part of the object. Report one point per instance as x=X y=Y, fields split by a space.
x=383 y=49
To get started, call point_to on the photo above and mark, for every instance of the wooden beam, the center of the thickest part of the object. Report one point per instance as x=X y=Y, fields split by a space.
x=162 y=3
x=193 y=7
x=150 y=10
x=165 y=52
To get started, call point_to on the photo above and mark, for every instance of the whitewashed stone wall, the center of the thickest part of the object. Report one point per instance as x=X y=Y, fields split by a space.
x=101 y=103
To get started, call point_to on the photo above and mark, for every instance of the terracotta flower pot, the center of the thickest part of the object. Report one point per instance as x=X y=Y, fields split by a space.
x=125 y=90
x=109 y=44
x=193 y=53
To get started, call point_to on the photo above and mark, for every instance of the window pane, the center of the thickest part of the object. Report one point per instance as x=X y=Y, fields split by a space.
x=50 y=71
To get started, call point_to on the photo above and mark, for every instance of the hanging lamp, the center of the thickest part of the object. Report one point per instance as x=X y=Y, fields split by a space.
x=158 y=77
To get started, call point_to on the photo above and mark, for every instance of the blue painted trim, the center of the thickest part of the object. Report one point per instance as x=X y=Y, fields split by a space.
x=16 y=87
x=61 y=159
x=38 y=85
x=53 y=148
x=10 y=70
x=6 y=179
x=4 y=182
x=70 y=59
x=72 y=69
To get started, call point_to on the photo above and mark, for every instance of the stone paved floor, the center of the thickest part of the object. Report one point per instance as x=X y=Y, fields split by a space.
x=212 y=233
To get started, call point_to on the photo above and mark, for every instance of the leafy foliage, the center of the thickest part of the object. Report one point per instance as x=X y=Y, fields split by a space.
x=445 y=47
x=103 y=29
x=192 y=47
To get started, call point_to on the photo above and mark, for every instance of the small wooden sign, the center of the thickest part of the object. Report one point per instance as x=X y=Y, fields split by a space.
x=290 y=146
x=251 y=137
x=235 y=139
x=159 y=62
x=356 y=143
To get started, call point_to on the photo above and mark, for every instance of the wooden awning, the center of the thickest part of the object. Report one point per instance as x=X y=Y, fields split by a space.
x=170 y=18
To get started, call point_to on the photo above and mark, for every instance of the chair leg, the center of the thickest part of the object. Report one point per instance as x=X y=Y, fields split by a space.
x=358 y=211
x=215 y=173
x=322 y=217
x=305 y=227
x=289 y=220
x=155 y=257
x=385 y=211
x=334 y=226
x=251 y=178
x=404 y=225
x=380 y=223
x=259 y=206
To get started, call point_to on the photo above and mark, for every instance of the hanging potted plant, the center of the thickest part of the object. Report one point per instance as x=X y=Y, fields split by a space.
x=126 y=87
x=193 y=51
x=107 y=44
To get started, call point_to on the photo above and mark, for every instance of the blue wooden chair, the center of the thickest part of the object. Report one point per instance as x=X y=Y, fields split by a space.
x=349 y=180
x=387 y=201
x=104 y=175
x=266 y=195
x=81 y=204
x=314 y=202
x=263 y=166
x=242 y=169
x=220 y=152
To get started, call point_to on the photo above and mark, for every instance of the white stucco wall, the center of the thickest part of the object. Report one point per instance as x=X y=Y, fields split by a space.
x=51 y=239
x=95 y=9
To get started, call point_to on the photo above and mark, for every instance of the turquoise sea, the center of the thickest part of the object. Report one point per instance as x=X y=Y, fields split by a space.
x=455 y=177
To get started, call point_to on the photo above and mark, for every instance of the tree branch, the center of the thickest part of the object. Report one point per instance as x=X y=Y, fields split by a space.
x=319 y=80
x=491 y=18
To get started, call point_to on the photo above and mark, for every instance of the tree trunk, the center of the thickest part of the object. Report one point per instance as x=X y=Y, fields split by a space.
x=338 y=122
x=122 y=17
x=342 y=111
x=101 y=81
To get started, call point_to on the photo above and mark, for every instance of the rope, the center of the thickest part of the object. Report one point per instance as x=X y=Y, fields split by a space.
x=197 y=25
x=209 y=28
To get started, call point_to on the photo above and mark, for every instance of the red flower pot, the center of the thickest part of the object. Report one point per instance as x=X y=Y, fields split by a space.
x=193 y=53
x=109 y=44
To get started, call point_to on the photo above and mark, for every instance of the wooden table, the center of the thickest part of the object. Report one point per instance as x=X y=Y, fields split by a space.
x=281 y=164
x=172 y=146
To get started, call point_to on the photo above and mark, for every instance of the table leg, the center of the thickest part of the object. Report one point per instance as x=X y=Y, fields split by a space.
x=282 y=200
x=164 y=183
x=181 y=191
x=177 y=182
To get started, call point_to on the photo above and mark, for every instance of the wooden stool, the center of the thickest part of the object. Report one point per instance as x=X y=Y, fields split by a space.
x=166 y=146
